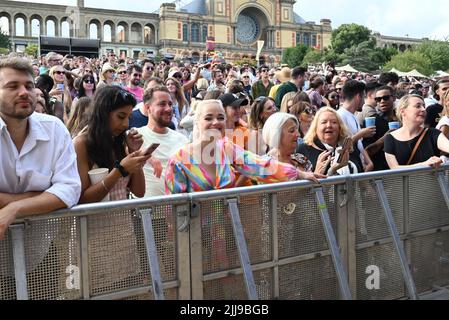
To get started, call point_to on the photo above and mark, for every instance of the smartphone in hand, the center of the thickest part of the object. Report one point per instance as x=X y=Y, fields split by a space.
x=149 y=151
x=346 y=146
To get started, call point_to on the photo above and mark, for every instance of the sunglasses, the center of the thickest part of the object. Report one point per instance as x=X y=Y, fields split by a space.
x=87 y=81
x=137 y=75
x=245 y=77
x=59 y=72
x=308 y=111
x=384 y=98
x=111 y=71
x=122 y=72
x=149 y=69
x=334 y=97
x=112 y=54
x=264 y=70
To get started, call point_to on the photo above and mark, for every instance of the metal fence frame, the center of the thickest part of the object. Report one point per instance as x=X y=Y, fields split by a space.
x=343 y=245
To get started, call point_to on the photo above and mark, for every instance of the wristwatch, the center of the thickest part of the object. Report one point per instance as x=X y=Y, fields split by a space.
x=120 y=168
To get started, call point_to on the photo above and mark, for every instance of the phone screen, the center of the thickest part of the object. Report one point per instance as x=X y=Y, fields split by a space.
x=151 y=149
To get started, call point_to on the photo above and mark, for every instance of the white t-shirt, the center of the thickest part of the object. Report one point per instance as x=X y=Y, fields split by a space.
x=170 y=142
x=351 y=122
x=443 y=122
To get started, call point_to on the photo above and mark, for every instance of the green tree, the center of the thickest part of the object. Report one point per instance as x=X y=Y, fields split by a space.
x=4 y=40
x=295 y=56
x=312 y=57
x=363 y=57
x=32 y=50
x=437 y=52
x=409 y=60
x=350 y=35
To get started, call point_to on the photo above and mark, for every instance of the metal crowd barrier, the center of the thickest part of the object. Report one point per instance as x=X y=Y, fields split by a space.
x=370 y=236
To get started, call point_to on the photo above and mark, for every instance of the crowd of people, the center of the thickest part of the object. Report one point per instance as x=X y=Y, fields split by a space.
x=209 y=126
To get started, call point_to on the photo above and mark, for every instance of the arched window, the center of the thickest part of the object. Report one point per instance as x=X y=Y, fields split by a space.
x=4 y=25
x=195 y=32
x=35 y=28
x=93 y=31
x=148 y=35
x=185 y=32
x=65 y=29
x=121 y=36
x=50 y=28
x=20 y=27
x=107 y=33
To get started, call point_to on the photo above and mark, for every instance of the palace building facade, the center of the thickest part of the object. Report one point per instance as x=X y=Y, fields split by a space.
x=233 y=27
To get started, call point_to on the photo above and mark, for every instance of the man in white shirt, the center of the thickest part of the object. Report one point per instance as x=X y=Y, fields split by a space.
x=160 y=112
x=354 y=99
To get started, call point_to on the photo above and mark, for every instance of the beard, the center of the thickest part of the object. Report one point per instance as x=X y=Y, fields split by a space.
x=136 y=82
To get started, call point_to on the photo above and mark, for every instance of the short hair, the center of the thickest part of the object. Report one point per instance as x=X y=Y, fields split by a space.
x=213 y=95
x=404 y=103
x=272 y=130
x=372 y=86
x=388 y=77
x=214 y=73
x=18 y=64
x=298 y=72
x=353 y=88
x=263 y=67
x=200 y=107
x=436 y=87
x=51 y=55
x=144 y=61
x=134 y=67
x=149 y=94
x=316 y=83
x=382 y=88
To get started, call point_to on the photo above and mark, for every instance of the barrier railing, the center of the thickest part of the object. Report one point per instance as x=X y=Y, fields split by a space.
x=371 y=236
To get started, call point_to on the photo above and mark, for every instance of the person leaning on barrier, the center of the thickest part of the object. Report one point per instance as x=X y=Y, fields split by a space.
x=194 y=169
x=28 y=185
x=326 y=134
x=413 y=145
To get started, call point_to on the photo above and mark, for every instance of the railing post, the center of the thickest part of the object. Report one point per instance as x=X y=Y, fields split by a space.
x=183 y=250
x=406 y=272
x=243 y=249
x=333 y=245
x=444 y=187
x=18 y=247
x=84 y=257
x=150 y=244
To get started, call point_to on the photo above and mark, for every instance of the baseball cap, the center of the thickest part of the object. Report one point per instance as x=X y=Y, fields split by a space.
x=231 y=100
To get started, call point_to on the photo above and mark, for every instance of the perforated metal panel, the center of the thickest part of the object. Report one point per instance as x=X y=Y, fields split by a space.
x=308 y=280
x=427 y=206
x=117 y=252
x=169 y=294
x=430 y=261
x=7 y=282
x=391 y=282
x=52 y=252
x=370 y=220
x=219 y=247
x=300 y=228
x=233 y=287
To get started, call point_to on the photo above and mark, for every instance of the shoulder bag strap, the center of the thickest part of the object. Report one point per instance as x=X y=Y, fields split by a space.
x=423 y=134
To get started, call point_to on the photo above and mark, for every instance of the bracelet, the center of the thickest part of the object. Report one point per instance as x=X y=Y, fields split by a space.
x=104 y=186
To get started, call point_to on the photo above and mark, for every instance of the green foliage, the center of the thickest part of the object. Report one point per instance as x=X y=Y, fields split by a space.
x=409 y=60
x=437 y=52
x=4 y=51
x=350 y=35
x=4 y=40
x=294 y=56
x=312 y=57
x=32 y=50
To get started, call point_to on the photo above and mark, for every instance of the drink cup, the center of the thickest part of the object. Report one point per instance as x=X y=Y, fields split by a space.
x=393 y=125
x=370 y=122
x=60 y=86
x=96 y=176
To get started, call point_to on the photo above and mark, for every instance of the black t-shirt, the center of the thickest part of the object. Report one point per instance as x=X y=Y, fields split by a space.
x=379 y=161
x=312 y=155
x=402 y=150
x=433 y=115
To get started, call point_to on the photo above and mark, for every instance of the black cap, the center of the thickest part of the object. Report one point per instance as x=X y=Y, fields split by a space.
x=231 y=100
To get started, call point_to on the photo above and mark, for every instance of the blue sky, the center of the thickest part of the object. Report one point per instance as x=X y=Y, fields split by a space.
x=411 y=18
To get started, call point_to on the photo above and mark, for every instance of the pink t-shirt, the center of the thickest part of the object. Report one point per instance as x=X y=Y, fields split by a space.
x=137 y=92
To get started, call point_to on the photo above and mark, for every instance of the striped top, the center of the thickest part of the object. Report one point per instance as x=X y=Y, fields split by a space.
x=185 y=175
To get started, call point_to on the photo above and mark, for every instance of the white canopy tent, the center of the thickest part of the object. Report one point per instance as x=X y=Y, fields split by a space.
x=441 y=74
x=347 y=68
x=399 y=73
x=416 y=74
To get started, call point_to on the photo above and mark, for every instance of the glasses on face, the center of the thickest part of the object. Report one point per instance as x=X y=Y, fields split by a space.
x=149 y=68
x=263 y=70
x=137 y=75
x=87 y=81
x=110 y=71
x=122 y=72
x=245 y=77
x=308 y=111
x=88 y=71
x=384 y=98
x=59 y=72
x=112 y=54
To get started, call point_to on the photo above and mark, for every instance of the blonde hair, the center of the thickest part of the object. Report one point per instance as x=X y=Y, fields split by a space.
x=404 y=103
x=202 y=84
x=312 y=133
x=67 y=96
x=201 y=106
x=288 y=97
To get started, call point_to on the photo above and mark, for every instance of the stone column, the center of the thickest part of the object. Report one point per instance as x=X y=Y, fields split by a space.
x=27 y=24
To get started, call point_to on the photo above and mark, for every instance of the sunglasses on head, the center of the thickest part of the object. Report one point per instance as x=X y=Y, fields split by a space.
x=384 y=98
x=260 y=99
